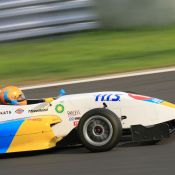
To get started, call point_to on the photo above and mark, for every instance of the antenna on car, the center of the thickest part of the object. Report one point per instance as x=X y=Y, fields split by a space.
x=105 y=105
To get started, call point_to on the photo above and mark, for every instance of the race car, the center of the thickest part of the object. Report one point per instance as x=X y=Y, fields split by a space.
x=99 y=119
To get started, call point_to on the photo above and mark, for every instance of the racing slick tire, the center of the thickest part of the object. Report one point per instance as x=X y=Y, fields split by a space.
x=99 y=130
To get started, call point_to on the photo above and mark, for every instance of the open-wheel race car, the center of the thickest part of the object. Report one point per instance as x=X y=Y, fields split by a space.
x=100 y=120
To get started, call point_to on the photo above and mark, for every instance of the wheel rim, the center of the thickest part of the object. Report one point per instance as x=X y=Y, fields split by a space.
x=97 y=130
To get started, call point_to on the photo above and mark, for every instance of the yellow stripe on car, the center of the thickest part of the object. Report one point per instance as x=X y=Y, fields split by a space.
x=165 y=103
x=35 y=134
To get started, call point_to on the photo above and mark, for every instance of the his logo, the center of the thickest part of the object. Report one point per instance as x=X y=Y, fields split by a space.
x=107 y=97
x=19 y=111
x=59 y=108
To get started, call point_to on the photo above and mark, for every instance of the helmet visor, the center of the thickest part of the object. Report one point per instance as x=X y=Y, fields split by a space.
x=21 y=98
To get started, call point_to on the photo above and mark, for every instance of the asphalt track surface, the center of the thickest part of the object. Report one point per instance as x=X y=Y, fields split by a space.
x=124 y=159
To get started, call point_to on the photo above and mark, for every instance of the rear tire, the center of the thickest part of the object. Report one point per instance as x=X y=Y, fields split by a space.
x=99 y=130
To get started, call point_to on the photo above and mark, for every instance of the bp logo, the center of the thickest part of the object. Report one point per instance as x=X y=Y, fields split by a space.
x=59 y=108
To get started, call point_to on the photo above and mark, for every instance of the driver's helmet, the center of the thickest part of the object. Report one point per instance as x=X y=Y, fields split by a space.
x=12 y=95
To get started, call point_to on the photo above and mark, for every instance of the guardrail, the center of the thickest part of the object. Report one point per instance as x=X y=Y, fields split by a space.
x=31 y=18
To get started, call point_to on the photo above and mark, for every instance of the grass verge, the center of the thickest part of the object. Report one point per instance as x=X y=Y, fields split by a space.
x=85 y=54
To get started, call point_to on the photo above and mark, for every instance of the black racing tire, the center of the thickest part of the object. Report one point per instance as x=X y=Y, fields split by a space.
x=99 y=130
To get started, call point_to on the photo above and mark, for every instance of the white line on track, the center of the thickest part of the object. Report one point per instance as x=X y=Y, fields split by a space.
x=99 y=78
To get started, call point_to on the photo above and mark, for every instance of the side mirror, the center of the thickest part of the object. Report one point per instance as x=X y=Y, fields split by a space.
x=62 y=92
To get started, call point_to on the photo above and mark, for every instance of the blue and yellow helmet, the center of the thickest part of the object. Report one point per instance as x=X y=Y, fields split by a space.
x=12 y=95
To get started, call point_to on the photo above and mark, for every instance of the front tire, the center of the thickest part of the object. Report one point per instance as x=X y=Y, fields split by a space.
x=99 y=130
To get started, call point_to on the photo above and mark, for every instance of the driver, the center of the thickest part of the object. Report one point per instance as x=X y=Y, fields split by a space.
x=12 y=95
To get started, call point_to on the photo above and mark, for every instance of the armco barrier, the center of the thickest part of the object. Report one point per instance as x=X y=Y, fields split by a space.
x=31 y=18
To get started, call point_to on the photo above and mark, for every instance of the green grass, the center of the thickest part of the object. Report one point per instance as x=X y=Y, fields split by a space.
x=86 y=54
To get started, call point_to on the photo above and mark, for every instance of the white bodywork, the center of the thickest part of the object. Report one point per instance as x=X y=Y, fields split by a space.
x=146 y=113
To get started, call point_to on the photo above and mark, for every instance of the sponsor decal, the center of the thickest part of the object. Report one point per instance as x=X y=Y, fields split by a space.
x=155 y=100
x=77 y=118
x=107 y=97
x=59 y=108
x=35 y=119
x=73 y=113
x=76 y=123
x=139 y=97
x=5 y=112
x=19 y=111
x=74 y=118
x=71 y=119
x=42 y=106
x=145 y=98
x=37 y=110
